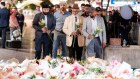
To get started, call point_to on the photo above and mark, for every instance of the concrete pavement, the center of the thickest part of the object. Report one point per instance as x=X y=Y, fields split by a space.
x=19 y=54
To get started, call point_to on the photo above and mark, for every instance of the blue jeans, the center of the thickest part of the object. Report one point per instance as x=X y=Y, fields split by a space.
x=94 y=48
x=59 y=38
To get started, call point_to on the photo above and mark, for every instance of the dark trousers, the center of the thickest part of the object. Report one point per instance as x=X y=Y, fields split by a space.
x=44 y=44
x=75 y=49
x=21 y=26
x=124 y=31
x=3 y=31
x=98 y=48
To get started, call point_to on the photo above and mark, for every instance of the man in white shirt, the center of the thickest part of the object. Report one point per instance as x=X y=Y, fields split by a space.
x=93 y=42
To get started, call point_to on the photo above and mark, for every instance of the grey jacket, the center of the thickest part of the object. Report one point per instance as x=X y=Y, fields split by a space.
x=87 y=29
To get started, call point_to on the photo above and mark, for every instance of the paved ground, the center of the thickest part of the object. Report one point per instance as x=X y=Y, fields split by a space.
x=27 y=50
x=20 y=54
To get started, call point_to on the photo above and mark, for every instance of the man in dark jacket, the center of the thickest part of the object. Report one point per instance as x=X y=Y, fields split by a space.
x=42 y=38
x=20 y=18
x=4 y=21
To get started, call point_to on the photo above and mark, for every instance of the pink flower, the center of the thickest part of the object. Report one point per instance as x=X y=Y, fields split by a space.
x=65 y=73
x=76 y=68
x=82 y=69
x=62 y=66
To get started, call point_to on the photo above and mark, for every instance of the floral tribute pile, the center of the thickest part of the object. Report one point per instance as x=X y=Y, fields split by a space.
x=65 y=68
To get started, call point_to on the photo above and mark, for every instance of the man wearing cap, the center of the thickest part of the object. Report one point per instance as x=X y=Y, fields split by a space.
x=93 y=43
x=43 y=23
x=59 y=35
x=74 y=38
x=101 y=24
x=4 y=21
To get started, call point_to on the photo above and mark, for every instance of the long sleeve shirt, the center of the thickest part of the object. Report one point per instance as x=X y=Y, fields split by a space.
x=60 y=18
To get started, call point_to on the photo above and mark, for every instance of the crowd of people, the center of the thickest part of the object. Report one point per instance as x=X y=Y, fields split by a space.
x=10 y=18
x=72 y=28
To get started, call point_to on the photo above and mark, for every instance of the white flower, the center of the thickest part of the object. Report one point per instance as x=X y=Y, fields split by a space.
x=97 y=31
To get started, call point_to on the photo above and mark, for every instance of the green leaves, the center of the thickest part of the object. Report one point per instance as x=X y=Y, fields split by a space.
x=97 y=70
x=32 y=77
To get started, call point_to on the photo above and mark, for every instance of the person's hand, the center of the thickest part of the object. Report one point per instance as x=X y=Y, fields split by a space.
x=73 y=34
x=78 y=32
x=104 y=45
x=48 y=31
x=44 y=29
x=90 y=36
x=110 y=22
x=15 y=27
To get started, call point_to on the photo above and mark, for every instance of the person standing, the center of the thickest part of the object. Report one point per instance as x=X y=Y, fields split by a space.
x=59 y=36
x=82 y=9
x=74 y=38
x=101 y=24
x=86 y=9
x=20 y=18
x=44 y=24
x=4 y=21
x=93 y=42
x=13 y=23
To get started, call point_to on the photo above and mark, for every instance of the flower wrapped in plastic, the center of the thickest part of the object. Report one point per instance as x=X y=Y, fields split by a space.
x=97 y=31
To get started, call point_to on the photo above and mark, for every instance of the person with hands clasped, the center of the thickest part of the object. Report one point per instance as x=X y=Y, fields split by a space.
x=44 y=24
x=92 y=32
x=74 y=38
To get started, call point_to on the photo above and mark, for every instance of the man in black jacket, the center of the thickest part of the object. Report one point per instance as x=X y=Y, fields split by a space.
x=20 y=18
x=42 y=38
x=4 y=21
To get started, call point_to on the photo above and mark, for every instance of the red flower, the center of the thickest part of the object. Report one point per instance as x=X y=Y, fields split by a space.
x=22 y=73
x=72 y=74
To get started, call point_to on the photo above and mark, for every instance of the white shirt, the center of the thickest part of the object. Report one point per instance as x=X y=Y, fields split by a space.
x=94 y=26
x=46 y=20
x=74 y=21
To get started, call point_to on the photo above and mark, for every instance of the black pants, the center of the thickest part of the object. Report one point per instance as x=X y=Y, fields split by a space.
x=21 y=26
x=75 y=49
x=44 y=44
x=3 y=31
x=124 y=31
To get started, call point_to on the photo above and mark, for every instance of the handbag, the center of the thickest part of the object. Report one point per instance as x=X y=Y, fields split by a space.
x=16 y=33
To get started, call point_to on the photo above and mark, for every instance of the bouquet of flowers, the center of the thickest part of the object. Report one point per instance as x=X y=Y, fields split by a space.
x=97 y=31
x=77 y=24
x=42 y=23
